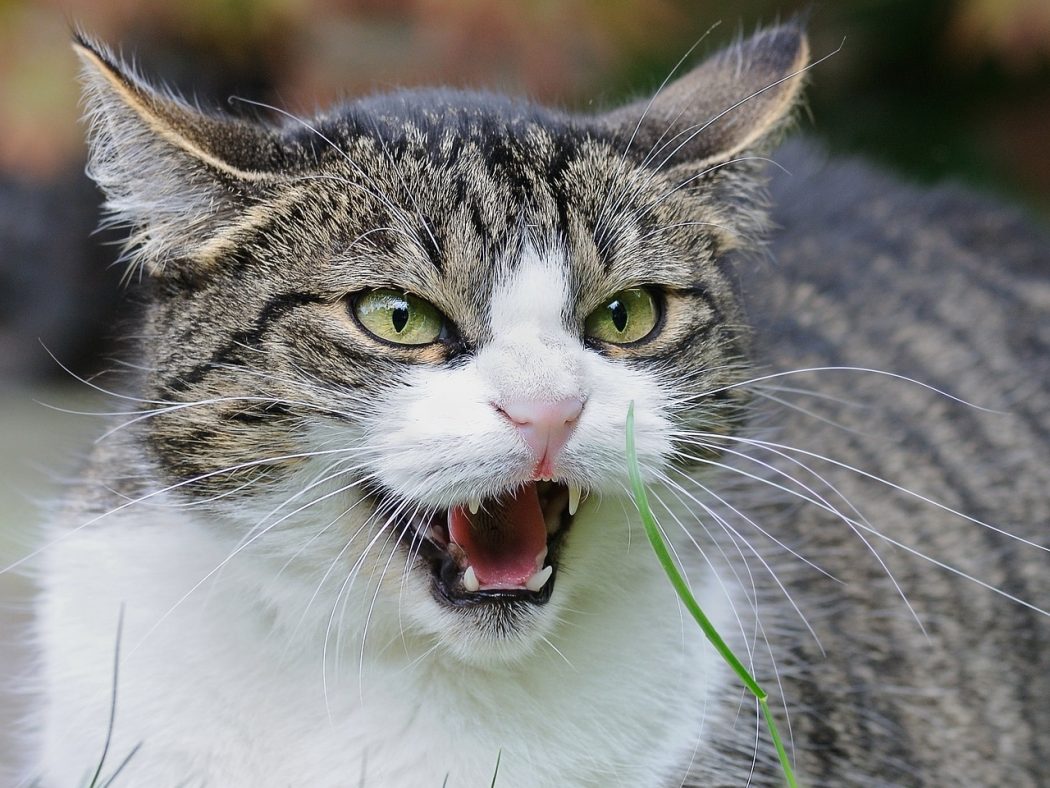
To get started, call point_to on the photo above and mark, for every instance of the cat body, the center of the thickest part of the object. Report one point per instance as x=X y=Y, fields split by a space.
x=321 y=528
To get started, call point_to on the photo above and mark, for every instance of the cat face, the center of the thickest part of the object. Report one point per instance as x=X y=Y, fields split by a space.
x=399 y=341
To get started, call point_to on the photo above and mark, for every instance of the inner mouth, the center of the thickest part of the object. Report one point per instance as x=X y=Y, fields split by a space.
x=499 y=549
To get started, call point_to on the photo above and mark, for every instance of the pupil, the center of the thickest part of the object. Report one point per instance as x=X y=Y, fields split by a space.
x=399 y=317
x=619 y=315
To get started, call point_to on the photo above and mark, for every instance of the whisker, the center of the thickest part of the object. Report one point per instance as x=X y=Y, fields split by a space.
x=809 y=413
x=557 y=651
x=237 y=550
x=867 y=370
x=865 y=527
x=752 y=601
x=815 y=498
x=735 y=534
x=898 y=488
x=148 y=496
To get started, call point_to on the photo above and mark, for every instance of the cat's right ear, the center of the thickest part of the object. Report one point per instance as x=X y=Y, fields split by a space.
x=179 y=179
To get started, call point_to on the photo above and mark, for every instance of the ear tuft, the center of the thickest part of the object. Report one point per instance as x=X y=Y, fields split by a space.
x=170 y=173
x=733 y=102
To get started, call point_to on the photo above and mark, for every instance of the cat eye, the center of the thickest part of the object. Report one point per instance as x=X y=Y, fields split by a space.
x=399 y=317
x=628 y=316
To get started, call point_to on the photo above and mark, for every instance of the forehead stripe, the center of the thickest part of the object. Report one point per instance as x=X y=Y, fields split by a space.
x=273 y=310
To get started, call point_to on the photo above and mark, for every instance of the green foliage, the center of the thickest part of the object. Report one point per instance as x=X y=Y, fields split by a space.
x=659 y=545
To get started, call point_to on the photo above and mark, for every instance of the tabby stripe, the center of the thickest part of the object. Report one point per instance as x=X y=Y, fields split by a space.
x=429 y=239
x=1023 y=651
x=273 y=310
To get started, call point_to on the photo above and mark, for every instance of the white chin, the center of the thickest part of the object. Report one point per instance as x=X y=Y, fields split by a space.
x=485 y=641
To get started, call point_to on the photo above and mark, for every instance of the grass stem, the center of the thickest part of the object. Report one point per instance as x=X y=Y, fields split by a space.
x=663 y=554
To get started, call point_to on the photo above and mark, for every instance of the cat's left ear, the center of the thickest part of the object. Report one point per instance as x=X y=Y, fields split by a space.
x=732 y=103
x=708 y=131
x=180 y=179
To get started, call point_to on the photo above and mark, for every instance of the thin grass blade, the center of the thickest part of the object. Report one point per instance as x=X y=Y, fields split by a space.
x=663 y=555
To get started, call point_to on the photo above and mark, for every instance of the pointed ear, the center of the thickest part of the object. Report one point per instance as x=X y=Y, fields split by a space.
x=176 y=177
x=731 y=103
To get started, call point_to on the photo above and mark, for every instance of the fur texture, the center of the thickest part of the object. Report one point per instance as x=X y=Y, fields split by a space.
x=258 y=514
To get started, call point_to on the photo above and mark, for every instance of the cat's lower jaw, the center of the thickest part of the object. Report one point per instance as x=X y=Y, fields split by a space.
x=260 y=679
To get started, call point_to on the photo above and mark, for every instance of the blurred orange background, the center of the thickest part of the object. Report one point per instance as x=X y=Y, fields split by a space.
x=982 y=66
x=935 y=88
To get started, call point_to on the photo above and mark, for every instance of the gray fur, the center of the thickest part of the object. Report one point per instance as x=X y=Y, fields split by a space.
x=253 y=238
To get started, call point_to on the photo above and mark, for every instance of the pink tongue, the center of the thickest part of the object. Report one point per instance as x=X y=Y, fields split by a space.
x=503 y=540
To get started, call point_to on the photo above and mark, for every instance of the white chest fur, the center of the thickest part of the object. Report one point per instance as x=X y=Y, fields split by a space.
x=226 y=687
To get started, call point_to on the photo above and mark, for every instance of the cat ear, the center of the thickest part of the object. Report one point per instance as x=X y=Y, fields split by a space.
x=730 y=104
x=175 y=176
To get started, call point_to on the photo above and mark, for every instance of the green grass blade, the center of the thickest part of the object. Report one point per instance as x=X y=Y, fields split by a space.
x=663 y=554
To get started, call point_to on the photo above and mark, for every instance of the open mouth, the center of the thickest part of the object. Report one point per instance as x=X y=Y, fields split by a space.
x=500 y=549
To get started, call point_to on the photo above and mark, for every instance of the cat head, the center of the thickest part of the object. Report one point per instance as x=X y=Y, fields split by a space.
x=398 y=341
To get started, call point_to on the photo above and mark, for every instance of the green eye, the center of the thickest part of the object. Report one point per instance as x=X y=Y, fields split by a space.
x=628 y=316
x=399 y=317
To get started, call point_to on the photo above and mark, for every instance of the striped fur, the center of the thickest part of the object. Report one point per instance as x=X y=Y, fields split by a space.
x=244 y=513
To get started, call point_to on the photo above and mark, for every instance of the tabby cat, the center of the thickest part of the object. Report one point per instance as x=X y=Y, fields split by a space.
x=366 y=513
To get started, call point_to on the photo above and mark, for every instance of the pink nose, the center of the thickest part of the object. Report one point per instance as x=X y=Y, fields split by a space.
x=545 y=426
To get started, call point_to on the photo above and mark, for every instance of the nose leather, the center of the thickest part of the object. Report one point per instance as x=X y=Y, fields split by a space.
x=544 y=426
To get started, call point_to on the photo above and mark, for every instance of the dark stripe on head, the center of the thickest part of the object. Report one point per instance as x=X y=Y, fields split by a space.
x=274 y=309
x=433 y=243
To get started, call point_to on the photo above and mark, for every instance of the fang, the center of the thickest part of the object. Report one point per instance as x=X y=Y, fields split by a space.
x=574 y=498
x=539 y=579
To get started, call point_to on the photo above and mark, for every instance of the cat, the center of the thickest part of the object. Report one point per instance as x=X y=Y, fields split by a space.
x=366 y=518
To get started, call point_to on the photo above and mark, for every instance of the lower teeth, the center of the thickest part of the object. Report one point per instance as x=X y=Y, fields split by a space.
x=539 y=579
x=536 y=582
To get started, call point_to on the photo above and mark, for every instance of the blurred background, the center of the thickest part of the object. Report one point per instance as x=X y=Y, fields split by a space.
x=936 y=88
x=956 y=89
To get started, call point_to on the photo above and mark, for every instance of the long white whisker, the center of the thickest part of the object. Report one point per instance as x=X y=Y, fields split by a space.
x=148 y=496
x=240 y=548
x=812 y=496
x=752 y=601
x=898 y=488
x=809 y=413
x=735 y=534
x=867 y=370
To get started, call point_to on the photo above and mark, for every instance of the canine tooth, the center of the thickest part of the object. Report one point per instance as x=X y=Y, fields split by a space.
x=539 y=579
x=474 y=505
x=541 y=556
x=574 y=498
x=470 y=580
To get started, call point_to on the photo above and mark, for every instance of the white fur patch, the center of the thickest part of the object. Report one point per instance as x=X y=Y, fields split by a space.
x=318 y=655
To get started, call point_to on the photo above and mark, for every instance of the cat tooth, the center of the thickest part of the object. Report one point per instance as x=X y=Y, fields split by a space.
x=541 y=556
x=474 y=505
x=574 y=498
x=539 y=579
x=470 y=580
